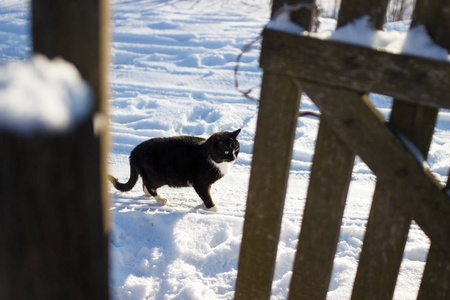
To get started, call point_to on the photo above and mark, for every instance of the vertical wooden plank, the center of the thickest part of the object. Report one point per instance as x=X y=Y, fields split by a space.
x=355 y=9
x=434 y=14
x=274 y=138
x=303 y=17
x=388 y=226
x=53 y=198
x=436 y=277
x=332 y=168
x=327 y=193
x=275 y=132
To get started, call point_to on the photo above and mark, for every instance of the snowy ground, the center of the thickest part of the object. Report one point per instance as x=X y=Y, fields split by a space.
x=172 y=74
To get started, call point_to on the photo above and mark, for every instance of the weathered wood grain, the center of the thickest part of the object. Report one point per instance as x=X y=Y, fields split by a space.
x=388 y=224
x=435 y=16
x=274 y=137
x=327 y=193
x=436 y=276
x=412 y=79
x=332 y=167
x=388 y=157
x=277 y=121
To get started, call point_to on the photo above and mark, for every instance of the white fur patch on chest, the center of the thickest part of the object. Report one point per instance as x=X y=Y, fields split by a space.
x=223 y=167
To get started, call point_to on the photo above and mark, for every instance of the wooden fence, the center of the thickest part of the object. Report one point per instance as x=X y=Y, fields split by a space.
x=338 y=77
x=53 y=197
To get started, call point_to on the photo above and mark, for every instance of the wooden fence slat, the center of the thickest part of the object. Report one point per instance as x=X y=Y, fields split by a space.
x=302 y=17
x=413 y=79
x=352 y=116
x=274 y=137
x=332 y=167
x=406 y=188
x=388 y=226
x=435 y=15
x=322 y=217
x=351 y=10
x=277 y=121
x=436 y=277
x=382 y=250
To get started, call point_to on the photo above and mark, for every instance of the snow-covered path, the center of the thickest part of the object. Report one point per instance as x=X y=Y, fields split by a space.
x=172 y=74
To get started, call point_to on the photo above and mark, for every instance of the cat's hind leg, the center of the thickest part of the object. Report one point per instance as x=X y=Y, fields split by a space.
x=146 y=191
x=154 y=193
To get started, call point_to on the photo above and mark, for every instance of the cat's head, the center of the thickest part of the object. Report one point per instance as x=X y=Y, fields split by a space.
x=224 y=146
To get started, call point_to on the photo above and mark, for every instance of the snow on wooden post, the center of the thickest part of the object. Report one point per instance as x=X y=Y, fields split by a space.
x=53 y=215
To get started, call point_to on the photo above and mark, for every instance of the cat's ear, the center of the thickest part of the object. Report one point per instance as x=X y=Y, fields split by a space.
x=234 y=134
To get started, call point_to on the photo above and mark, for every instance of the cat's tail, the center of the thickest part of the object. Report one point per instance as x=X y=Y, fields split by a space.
x=125 y=187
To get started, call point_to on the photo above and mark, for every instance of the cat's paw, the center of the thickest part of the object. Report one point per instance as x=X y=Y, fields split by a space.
x=161 y=200
x=213 y=208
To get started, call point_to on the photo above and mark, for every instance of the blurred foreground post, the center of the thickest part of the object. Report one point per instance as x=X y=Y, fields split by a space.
x=53 y=200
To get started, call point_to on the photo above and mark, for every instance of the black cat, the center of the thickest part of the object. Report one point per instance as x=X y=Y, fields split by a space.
x=181 y=161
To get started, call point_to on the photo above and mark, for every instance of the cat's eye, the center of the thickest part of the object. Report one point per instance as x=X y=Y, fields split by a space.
x=227 y=152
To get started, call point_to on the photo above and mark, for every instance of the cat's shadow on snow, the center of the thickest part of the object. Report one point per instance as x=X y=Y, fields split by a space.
x=143 y=203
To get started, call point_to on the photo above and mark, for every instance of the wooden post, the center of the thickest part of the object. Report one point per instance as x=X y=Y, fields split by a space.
x=53 y=200
x=354 y=9
x=274 y=138
x=435 y=15
x=388 y=226
x=277 y=120
x=327 y=193
x=332 y=168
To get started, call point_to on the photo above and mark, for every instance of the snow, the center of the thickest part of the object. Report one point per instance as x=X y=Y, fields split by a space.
x=281 y=19
x=42 y=95
x=415 y=42
x=172 y=74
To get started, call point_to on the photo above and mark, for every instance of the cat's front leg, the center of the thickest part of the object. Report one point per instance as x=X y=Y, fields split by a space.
x=204 y=192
